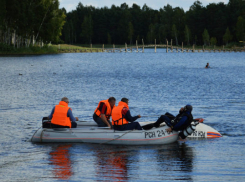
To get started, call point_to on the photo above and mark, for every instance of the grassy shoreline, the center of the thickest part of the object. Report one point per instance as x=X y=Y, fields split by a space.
x=68 y=48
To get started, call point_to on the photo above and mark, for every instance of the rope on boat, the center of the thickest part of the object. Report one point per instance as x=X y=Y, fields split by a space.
x=117 y=137
x=150 y=116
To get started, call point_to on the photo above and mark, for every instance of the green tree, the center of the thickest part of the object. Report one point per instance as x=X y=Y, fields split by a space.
x=175 y=33
x=87 y=29
x=108 y=38
x=130 y=32
x=240 y=29
x=213 y=41
x=150 y=34
x=227 y=36
x=205 y=37
x=187 y=33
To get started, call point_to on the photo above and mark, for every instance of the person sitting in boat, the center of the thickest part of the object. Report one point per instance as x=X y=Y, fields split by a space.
x=179 y=123
x=121 y=117
x=103 y=111
x=61 y=115
x=207 y=65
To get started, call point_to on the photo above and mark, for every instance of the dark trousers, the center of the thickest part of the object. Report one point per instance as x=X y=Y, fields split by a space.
x=129 y=126
x=73 y=125
x=99 y=121
x=162 y=119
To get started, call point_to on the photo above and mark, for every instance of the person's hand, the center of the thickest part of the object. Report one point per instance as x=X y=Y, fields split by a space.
x=76 y=118
x=169 y=130
x=139 y=116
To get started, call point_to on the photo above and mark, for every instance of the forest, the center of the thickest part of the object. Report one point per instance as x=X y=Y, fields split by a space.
x=27 y=22
x=215 y=24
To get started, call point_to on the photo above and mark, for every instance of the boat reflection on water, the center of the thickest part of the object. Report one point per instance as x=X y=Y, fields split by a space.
x=122 y=163
x=60 y=159
x=113 y=162
x=175 y=162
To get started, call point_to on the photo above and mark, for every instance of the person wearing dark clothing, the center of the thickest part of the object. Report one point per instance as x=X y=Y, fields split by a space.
x=207 y=65
x=121 y=117
x=103 y=111
x=178 y=123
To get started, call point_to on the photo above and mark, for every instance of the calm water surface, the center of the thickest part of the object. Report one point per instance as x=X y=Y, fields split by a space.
x=154 y=83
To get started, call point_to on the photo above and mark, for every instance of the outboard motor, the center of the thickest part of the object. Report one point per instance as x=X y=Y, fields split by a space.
x=189 y=130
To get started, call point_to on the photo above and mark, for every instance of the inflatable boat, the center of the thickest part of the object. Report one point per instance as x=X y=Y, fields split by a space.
x=88 y=132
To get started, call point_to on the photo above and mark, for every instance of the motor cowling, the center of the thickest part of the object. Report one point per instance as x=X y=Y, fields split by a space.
x=188 y=130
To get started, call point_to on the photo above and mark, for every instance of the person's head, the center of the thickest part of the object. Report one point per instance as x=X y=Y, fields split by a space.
x=65 y=99
x=112 y=101
x=188 y=107
x=124 y=100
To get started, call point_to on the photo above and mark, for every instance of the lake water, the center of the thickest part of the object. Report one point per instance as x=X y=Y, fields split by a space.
x=154 y=83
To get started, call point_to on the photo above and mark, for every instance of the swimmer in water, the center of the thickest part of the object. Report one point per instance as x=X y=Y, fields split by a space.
x=207 y=65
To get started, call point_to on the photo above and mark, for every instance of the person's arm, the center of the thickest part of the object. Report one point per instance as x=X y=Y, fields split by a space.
x=180 y=123
x=51 y=114
x=126 y=113
x=70 y=115
x=104 y=119
x=103 y=109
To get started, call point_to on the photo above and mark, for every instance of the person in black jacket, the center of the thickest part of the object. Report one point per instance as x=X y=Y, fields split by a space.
x=178 y=123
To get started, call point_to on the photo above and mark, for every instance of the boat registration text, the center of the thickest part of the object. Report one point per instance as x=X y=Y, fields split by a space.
x=154 y=134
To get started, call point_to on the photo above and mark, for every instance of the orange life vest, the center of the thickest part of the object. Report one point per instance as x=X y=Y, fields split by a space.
x=108 y=110
x=116 y=116
x=60 y=115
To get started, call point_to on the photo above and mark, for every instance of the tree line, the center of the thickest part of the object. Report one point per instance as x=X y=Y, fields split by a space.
x=27 y=21
x=215 y=24
x=23 y=22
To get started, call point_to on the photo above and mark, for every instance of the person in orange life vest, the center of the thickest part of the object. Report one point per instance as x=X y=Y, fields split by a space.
x=121 y=117
x=102 y=113
x=61 y=115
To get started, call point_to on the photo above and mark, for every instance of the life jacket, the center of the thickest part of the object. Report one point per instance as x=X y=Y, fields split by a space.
x=60 y=115
x=116 y=116
x=108 y=110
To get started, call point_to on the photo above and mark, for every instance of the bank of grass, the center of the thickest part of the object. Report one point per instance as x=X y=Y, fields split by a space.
x=69 y=48
x=31 y=50
x=84 y=47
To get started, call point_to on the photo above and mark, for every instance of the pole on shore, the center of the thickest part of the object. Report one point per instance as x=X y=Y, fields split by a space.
x=171 y=45
x=143 y=46
x=103 y=48
x=167 y=47
x=137 y=46
x=155 y=45
x=125 y=47
x=193 y=48
x=113 y=47
x=90 y=47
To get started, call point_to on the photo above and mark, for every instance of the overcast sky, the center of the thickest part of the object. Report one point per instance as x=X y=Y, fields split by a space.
x=154 y=4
